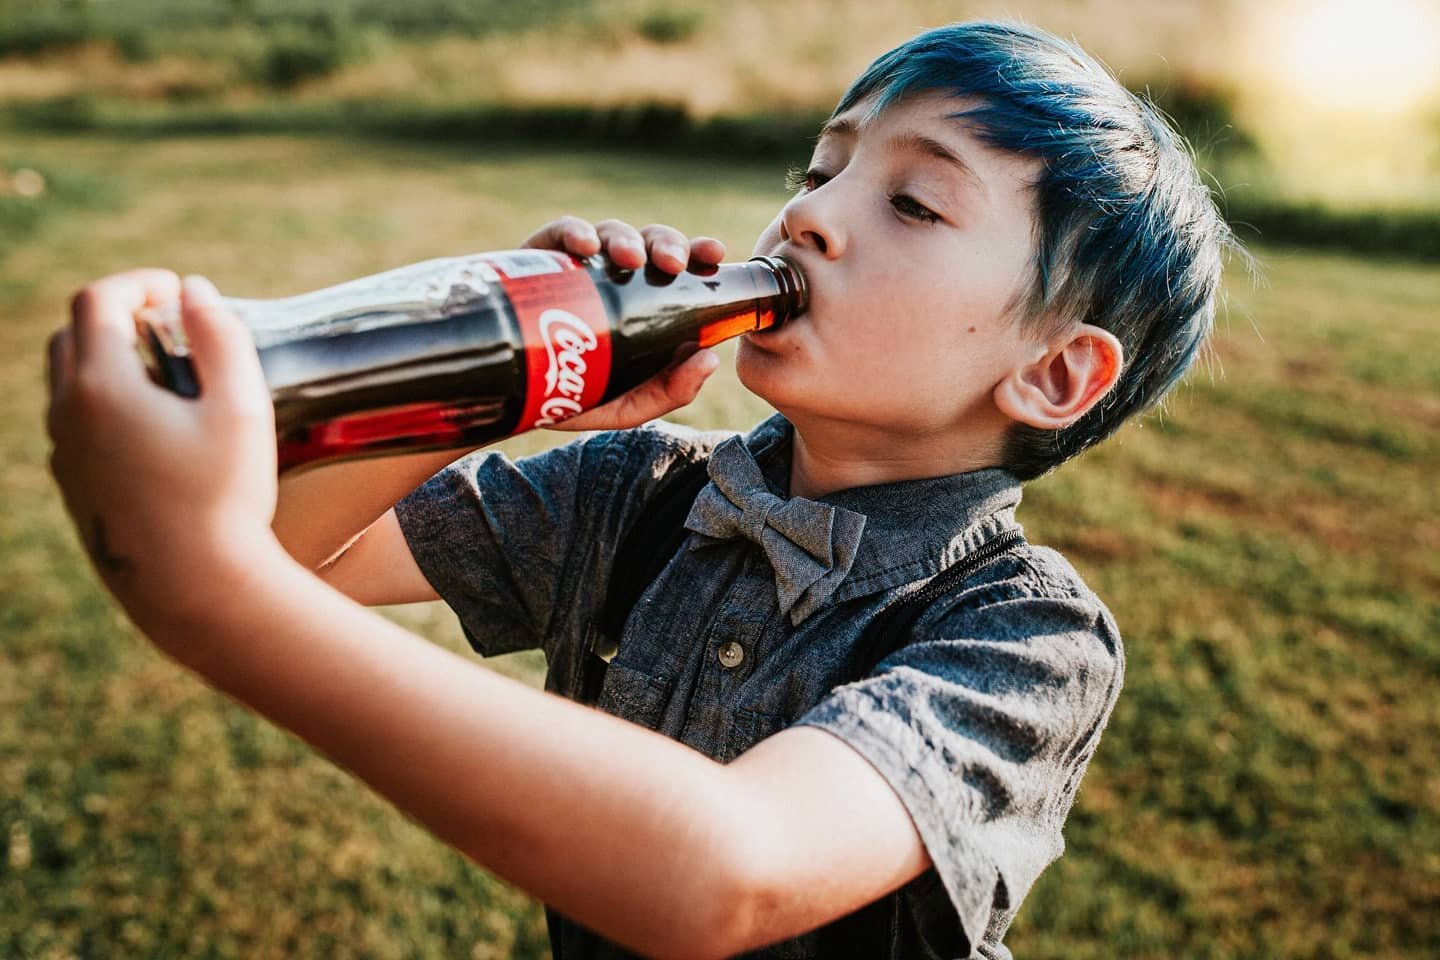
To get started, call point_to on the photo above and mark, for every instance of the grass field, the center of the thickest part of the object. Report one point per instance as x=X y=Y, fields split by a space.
x=1268 y=786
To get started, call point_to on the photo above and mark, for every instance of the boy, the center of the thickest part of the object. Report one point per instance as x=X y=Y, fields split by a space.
x=1007 y=256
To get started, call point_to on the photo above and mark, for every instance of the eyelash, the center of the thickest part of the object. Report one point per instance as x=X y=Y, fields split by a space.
x=908 y=206
x=797 y=179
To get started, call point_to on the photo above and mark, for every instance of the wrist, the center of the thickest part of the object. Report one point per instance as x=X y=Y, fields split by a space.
x=221 y=572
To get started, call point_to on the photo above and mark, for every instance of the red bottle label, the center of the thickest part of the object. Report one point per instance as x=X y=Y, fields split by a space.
x=566 y=332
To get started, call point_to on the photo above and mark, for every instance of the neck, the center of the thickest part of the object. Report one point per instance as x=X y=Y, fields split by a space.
x=831 y=455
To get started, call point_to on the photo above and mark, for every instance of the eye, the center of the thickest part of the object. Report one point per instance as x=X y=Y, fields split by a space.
x=797 y=179
x=908 y=206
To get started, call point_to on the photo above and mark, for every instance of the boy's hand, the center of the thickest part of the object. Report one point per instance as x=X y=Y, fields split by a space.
x=158 y=486
x=667 y=249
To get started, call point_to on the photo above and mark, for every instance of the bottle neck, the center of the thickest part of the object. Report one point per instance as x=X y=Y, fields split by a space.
x=794 y=296
x=778 y=291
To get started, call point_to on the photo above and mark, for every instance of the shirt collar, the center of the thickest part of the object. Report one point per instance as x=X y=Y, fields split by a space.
x=914 y=528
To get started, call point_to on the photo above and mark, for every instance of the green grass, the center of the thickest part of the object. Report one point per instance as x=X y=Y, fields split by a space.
x=34 y=26
x=1267 y=786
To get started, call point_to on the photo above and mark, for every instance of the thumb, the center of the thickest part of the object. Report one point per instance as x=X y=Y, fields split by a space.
x=670 y=389
x=684 y=381
x=666 y=391
x=221 y=348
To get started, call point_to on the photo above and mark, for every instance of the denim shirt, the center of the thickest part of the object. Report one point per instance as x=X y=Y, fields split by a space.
x=982 y=724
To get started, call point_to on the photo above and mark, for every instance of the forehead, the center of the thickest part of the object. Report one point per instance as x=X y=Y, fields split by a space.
x=930 y=124
x=930 y=113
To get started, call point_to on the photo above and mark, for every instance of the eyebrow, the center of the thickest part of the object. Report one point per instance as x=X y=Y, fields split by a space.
x=909 y=142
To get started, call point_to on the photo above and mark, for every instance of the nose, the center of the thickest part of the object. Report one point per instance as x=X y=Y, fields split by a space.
x=809 y=220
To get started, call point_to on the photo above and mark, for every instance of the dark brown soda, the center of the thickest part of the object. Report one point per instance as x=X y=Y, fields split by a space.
x=457 y=377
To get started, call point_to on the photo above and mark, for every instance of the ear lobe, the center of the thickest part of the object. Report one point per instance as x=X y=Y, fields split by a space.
x=1060 y=387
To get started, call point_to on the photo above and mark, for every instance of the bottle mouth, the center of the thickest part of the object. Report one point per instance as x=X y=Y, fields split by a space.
x=792 y=281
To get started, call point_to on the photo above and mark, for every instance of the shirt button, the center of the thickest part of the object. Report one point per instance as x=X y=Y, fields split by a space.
x=731 y=654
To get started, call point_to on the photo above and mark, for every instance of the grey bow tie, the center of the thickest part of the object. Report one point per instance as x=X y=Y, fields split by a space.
x=811 y=545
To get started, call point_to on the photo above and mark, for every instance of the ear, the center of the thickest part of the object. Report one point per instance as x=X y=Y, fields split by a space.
x=1054 y=391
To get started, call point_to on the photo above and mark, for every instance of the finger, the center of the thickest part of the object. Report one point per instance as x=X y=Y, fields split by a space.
x=103 y=315
x=60 y=368
x=60 y=374
x=668 y=248
x=571 y=234
x=672 y=388
x=222 y=349
x=622 y=243
x=668 y=390
x=707 y=250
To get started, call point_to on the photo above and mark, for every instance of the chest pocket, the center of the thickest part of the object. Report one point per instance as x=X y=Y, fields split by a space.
x=632 y=695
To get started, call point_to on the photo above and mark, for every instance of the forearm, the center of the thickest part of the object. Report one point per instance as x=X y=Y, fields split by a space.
x=612 y=824
x=321 y=511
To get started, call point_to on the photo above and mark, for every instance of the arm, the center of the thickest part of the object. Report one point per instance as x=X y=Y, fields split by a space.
x=320 y=513
x=657 y=847
x=337 y=519
x=640 y=847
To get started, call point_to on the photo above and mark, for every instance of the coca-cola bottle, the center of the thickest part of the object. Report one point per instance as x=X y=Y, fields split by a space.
x=462 y=351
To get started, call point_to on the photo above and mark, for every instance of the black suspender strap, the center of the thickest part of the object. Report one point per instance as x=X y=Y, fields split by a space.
x=890 y=629
x=642 y=554
x=650 y=544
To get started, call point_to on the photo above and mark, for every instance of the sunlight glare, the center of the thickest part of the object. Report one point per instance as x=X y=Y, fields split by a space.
x=1372 y=55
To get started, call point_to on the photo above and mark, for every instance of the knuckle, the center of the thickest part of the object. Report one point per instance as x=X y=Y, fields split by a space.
x=661 y=232
x=247 y=409
x=618 y=229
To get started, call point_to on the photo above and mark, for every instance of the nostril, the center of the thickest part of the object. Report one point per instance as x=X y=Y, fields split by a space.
x=818 y=240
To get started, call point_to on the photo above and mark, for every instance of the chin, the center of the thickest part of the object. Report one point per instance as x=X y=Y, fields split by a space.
x=758 y=372
x=782 y=389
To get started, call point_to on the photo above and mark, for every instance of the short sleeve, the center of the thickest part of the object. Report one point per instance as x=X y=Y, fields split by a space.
x=492 y=536
x=984 y=722
x=521 y=550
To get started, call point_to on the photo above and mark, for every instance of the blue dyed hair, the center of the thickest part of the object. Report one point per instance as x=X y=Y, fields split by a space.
x=1127 y=235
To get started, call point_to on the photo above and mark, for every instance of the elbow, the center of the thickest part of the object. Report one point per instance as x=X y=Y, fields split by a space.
x=714 y=927
x=740 y=911
x=723 y=914
x=718 y=928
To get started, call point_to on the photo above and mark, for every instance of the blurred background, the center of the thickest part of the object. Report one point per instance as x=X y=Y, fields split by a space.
x=1270 y=782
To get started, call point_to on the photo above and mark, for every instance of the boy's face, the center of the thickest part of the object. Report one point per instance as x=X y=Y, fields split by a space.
x=915 y=238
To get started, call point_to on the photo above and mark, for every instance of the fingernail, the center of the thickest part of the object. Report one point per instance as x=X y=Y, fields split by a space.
x=674 y=250
x=198 y=289
x=709 y=360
